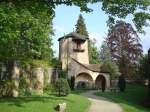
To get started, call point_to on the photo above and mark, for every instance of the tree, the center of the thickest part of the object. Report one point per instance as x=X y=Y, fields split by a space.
x=144 y=68
x=148 y=72
x=122 y=83
x=117 y=9
x=122 y=8
x=72 y=82
x=93 y=52
x=139 y=9
x=25 y=34
x=106 y=63
x=62 y=87
x=125 y=47
x=105 y=52
x=111 y=67
x=81 y=27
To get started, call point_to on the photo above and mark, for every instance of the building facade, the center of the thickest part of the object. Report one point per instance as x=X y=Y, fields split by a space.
x=74 y=56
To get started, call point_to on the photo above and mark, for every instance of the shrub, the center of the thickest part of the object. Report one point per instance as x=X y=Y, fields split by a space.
x=49 y=88
x=122 y=83
x=103 y=84
x=111 y=67
x=72 y=82
x=62 y=87
x=62 y=74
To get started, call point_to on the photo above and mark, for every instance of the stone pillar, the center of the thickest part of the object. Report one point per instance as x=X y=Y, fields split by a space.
x=38 y=74
x=107 y=78
x=15 y=79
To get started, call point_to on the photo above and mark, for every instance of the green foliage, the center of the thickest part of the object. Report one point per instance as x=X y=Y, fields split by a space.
x=111 y=67
x=28 y=82
x=56 y=63
x=62 y=87
x=117 y=9
x=25 y=30
x=62 y=73
x=131 y=100
x=93 y=52
x=105 y=54
x=122 y=8
x=103 y=84
x=72 y=82
x=122 y=83
x=144 y=67
x=81 y=27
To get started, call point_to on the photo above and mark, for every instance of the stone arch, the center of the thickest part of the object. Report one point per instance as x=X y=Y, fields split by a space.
x=100 y=81
x=84 y=80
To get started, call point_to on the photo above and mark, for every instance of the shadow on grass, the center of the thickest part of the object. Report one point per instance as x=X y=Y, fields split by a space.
x=130 y=99
x=22 y=100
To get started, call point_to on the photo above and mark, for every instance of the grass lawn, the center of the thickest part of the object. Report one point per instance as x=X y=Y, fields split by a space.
x=130 y=100
x=75 y=103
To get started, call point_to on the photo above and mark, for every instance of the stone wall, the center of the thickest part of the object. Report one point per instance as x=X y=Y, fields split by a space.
x=37 y=77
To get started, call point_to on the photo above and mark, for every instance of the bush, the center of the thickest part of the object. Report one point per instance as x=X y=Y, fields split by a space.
x=61 y=87
x=122 y=83
x=103 y=84
x=49 y=88
x=111 y=67
x=72 y=82
x=62 y=74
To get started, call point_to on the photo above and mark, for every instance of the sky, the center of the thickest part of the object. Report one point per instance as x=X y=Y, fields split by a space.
x=67 y=16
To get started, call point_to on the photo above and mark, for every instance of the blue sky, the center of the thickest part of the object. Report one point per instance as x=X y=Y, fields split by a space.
x=66 y=18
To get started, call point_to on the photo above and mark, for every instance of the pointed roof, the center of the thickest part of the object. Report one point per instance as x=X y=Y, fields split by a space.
x=75 y=36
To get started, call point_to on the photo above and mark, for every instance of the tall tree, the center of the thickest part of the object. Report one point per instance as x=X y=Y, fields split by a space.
x=25 y=31
x=144 y=69
x=81 y=26
x=115 y=9
x=106 y=63
x=125 y=47
x=93 y=52
x=105 y=52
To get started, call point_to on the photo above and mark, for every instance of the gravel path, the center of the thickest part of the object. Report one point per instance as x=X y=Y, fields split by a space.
x=101 y=104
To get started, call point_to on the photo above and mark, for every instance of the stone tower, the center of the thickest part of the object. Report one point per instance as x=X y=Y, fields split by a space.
x=73 y=54
x=73 y=45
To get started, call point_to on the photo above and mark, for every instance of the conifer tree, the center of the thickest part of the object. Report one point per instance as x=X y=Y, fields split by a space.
x=93 y=51
x=81 y=26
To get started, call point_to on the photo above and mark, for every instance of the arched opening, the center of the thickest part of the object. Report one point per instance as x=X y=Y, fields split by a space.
x=84 y=81
x=100 y=82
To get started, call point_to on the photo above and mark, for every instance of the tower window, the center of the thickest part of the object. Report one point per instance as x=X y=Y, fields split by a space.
x=79 y=47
